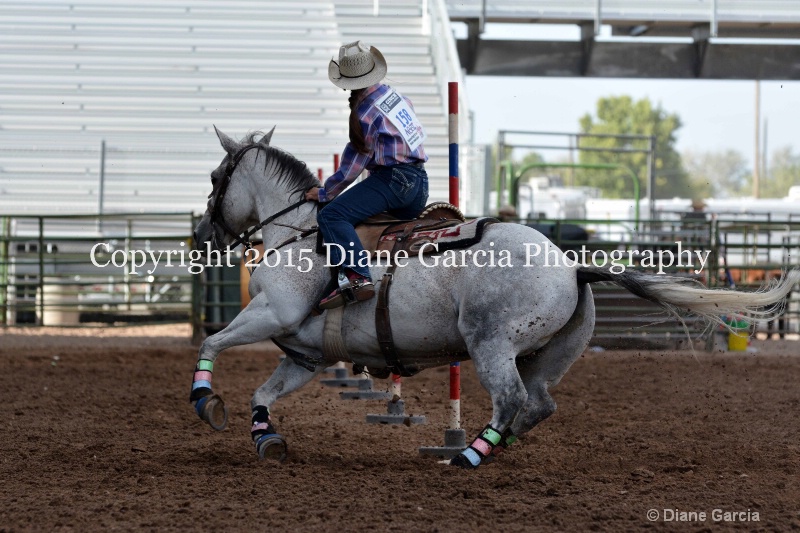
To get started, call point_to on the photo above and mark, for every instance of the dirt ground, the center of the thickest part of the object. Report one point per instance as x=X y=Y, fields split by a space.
x=97 y=434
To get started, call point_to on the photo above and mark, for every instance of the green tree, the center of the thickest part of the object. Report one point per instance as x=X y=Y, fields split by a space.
x=722 y=174
x=620 y=115
x=783 y=172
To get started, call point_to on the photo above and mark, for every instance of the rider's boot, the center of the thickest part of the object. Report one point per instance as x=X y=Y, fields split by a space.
x=353 y=288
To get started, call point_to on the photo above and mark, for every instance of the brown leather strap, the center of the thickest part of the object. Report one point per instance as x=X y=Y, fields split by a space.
x=383 y=325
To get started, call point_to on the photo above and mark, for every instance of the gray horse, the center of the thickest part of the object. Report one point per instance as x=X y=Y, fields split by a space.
x=521 y=322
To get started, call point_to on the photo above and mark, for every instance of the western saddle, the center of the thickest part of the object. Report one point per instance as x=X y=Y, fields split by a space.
x=384 y=232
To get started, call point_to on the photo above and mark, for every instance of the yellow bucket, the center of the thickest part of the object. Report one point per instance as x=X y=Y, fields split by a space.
x=737 y=341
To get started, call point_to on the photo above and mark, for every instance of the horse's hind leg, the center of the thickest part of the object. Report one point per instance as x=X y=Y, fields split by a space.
x=547 y=366
x=497 y=372
x=287 y=378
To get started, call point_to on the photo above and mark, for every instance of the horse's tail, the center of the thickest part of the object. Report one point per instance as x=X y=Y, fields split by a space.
x=680 y=296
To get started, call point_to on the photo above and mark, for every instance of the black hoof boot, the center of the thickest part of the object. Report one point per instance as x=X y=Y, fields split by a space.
x=463 y=461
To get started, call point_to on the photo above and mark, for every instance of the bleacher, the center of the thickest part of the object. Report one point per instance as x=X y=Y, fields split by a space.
x=397 y=29
x=151 y=78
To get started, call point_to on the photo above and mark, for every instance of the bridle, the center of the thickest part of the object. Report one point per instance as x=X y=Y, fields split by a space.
x=215 y=212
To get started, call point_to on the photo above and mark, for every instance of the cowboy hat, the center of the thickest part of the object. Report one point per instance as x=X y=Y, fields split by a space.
x=359 y=66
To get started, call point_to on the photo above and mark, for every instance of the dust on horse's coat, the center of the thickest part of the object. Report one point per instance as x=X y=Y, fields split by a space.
x=522 y=325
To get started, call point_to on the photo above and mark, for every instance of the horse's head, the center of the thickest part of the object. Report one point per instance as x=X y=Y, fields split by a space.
x=231 y=204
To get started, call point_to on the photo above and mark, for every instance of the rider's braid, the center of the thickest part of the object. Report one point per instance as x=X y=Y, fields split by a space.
x=356 y=132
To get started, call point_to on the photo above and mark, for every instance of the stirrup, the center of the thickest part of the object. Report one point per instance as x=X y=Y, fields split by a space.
x=348 y=292
x=346 y=289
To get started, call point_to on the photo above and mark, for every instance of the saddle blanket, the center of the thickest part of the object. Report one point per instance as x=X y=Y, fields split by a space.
x=455 y=237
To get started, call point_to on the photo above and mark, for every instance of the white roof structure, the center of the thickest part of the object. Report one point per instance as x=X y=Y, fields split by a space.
x=150 y=79
x=683 y=39
x=754 y=18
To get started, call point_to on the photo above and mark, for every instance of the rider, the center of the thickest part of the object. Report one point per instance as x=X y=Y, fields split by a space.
x=386 y=139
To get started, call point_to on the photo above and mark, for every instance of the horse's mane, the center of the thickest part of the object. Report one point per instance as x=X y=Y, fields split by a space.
x=289 y=169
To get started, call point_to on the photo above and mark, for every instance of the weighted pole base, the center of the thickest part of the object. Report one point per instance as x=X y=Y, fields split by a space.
x=395 y=414
x=365 y=395
x=341 y=379
x=387 y=419
x=365 y=392
x=455 y=441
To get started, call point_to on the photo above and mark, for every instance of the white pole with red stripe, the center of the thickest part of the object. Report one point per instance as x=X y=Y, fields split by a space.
x=454 y=437
x=396 y=386
x=452 y=128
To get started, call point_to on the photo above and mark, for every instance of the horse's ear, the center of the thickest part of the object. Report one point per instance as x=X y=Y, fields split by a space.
x=229 y=145
x=268 y=136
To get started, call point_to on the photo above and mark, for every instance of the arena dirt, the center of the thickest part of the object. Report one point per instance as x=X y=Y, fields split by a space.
x=97 y=434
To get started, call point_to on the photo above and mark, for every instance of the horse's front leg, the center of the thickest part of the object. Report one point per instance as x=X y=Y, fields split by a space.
x=287 y=378
x=257 y=322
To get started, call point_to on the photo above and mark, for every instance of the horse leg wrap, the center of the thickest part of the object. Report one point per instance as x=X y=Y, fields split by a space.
x=201 y=384
x=208 y=406
x=481 y=448
x=262 y=424
x=269 y=444
x=508 y=438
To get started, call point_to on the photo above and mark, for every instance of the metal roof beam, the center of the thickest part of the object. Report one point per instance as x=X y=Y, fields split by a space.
x=699 y=59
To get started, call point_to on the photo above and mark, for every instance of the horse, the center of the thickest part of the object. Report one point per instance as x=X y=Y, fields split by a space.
x=522 y=323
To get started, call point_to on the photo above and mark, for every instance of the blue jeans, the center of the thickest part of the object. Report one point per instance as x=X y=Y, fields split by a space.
x=402 y=190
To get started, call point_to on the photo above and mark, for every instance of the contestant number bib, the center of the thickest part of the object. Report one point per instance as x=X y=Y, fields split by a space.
x=402 y=116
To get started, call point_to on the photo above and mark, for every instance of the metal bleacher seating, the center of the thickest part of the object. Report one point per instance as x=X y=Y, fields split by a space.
x=151 y=78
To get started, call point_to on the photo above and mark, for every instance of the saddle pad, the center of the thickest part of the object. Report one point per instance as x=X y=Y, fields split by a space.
x=449 y=238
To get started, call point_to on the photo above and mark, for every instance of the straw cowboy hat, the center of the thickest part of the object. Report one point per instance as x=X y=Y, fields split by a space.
x=698 y=205
x=359 y=66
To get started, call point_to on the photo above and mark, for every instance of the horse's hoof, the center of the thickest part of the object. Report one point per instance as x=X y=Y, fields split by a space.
x=462 y=461
x=215 y=413
x=272 y=447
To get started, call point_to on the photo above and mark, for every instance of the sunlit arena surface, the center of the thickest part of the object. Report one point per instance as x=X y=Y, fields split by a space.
x=98 y=435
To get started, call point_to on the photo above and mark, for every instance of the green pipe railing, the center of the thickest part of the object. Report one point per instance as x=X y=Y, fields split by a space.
x=58 y=275
x=202 y=302
x=513 y=185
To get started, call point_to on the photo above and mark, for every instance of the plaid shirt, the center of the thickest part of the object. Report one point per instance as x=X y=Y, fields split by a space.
x=384 y=142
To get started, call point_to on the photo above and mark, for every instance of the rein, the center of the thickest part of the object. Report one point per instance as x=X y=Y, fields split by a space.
x=216 y=210
x=302 y=235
